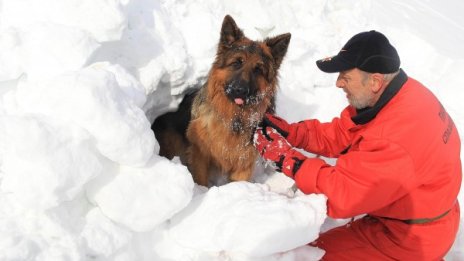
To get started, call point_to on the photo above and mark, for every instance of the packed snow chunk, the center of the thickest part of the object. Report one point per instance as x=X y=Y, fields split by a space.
x=171 y=64
x=17 y=247
x=105 y=104
x=303 y=253
x=134 y=90
x=104 y=19
x=11 y=66
x=48 y=49
x=308 y=253
x=102 y=236
x=44 y=162
x=143 y=198
x=224 y=218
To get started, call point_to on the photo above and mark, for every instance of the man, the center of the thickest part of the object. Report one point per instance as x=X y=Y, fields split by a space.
x=398 y=161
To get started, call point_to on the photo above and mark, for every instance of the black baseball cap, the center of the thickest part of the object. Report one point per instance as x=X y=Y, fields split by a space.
x=368 y=51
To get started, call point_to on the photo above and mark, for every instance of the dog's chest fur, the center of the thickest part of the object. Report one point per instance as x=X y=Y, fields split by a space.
x=235 y=136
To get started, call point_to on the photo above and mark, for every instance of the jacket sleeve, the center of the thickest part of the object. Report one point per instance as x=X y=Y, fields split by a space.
x=364 y=180
x=326 y=139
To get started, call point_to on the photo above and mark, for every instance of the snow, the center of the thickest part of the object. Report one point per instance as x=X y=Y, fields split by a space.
x=140 y=190
x=230 y=206
x=82 y=80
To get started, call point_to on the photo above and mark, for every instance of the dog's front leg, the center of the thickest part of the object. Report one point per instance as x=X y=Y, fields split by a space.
x=241 y=175
x=198 y=164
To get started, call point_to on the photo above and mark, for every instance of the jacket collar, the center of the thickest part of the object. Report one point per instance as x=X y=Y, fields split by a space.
x=365 y=115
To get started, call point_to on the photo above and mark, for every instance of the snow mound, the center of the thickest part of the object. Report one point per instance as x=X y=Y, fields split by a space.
x=223 y=218
x=142 y=198
x=94 y=98
x=44 y=162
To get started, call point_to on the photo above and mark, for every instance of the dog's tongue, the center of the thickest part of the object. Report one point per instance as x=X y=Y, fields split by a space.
x=238 y=101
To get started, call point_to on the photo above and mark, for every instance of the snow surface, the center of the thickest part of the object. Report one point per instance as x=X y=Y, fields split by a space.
x=82 y=80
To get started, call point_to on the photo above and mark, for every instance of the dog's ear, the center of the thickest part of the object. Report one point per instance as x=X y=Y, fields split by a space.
x=278 y=46
x=229 y=32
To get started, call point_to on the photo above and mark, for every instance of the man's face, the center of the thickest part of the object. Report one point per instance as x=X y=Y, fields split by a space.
x=356 y=85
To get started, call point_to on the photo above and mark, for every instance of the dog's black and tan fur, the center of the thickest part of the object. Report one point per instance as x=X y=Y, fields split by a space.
x=213 y=128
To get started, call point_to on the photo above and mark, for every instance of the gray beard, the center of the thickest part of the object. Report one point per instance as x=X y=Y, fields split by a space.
x=361 y=102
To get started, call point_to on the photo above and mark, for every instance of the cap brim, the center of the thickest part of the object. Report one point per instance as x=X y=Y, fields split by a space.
x=334 y=64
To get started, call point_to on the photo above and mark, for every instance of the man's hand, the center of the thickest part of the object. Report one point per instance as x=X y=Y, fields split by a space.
x=274 y=147
x=277 y=123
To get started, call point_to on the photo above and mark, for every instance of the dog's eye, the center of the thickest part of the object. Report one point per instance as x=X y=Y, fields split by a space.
x=237 y=63
x=259 y=69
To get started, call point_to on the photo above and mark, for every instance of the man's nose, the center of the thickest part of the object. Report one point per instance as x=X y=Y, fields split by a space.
x=339 y=83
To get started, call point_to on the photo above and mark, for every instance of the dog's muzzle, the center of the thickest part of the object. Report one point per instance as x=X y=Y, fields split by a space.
x=237 y=92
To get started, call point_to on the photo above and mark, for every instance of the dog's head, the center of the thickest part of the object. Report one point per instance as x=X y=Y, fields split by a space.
x=246 y=70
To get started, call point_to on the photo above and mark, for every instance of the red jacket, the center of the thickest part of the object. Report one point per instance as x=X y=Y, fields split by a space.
x=401 y=159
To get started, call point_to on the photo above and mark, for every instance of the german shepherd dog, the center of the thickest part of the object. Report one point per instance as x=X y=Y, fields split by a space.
x=213 y=128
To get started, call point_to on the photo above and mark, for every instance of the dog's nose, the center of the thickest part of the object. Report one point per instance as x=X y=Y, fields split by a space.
x=239 y=91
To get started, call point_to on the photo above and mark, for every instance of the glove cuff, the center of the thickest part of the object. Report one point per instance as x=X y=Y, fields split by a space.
x=292 y=163
x=292 y=136
x=277 y=123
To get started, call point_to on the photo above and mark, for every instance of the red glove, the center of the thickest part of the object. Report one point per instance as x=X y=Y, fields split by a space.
x=272 y=146
x=279 y=124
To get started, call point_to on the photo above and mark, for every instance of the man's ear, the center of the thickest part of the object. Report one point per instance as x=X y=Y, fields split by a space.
x=230 y=32
x=278 y=46
x=377 y=82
